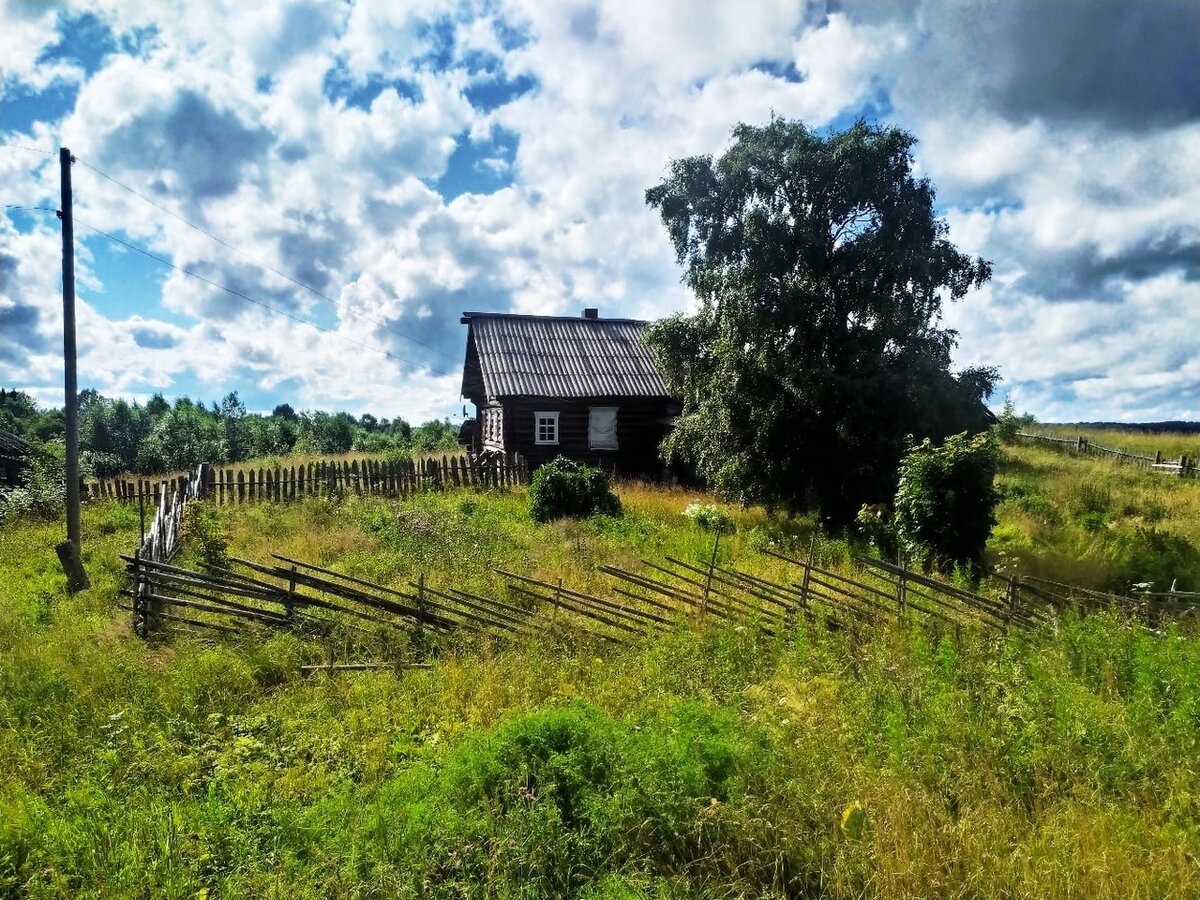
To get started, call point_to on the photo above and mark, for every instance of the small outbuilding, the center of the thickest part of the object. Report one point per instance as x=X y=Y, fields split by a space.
x=586 y=388
x=14 y=452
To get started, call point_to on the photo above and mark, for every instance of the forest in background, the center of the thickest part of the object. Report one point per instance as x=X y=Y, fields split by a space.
x=118 y=436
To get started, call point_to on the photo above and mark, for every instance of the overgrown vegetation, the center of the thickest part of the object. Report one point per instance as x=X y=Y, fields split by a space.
x=820 y=267
x=563 y=487
x=717 y=762
x=40 y=492
x=1093 y=522
x=944 y=501
x=118 y=436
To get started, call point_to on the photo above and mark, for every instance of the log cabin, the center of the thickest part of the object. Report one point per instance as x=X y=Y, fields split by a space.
x=14 y=452
x=585 y=388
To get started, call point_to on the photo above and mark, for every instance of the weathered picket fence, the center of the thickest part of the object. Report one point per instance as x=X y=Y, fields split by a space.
x=1183 y=466
x=395 y=478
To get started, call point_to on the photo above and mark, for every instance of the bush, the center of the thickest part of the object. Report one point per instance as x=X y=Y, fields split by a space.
x=945 y=501
x=710 y=518
x=563 y=487
x=203 y=528
x=42 y=491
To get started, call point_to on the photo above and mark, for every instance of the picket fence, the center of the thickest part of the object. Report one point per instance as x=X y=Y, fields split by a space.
x=397 y=478
x=1184 y=466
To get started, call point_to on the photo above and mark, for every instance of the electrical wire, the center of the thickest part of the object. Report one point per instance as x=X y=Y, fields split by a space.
x=31 y=208
x=227 y=245
x=240 y=294
x=29 y=149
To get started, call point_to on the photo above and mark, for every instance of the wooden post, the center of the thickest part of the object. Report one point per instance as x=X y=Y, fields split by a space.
x=72 y=565
x=812 y=544
x=290 y=606
x=141 y=512
x=422 y=611
x=712 y=564
x=902 y=586
x=70 y=380
x=241 y=486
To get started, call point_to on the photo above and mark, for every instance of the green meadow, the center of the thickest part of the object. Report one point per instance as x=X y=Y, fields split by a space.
x=719 y=761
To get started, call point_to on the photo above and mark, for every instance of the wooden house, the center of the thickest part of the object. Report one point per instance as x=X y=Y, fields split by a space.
x=14 y=451
x=586 y=388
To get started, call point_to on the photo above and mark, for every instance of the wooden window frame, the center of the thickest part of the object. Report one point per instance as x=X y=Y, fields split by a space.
x=538 y=416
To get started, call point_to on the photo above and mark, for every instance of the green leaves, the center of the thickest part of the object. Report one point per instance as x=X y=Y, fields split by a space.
x=563 y=487
x=821 y=270
x=945 y=501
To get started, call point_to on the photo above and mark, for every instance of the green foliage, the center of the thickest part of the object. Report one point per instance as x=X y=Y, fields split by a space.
x=563 y=487
x=1009 y=422
x=710 y=518
x=41 y=492
x=205 y=534
x=875 y=523
x=820 y=267
x=1149 y=555
x=116 y=436
x=945 y=501
x=710 y=762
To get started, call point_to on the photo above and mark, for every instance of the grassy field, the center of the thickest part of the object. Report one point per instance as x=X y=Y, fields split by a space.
x=1131 y=440
x=1095 y=522
x=719 y=762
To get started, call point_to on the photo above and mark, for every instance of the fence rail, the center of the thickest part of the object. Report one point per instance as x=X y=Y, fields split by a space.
x=1184 y=466
x=399 y=478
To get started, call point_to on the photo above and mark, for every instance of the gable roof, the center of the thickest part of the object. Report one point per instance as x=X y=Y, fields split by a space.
x=559 y=356
x=12 y=446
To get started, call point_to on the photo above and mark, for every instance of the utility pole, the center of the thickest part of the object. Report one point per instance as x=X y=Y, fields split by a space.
x=70 y=554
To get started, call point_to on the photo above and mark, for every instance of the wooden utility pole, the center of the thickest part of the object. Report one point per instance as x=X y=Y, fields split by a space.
x=77 y=578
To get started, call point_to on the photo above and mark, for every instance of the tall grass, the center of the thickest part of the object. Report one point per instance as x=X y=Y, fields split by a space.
x=717 y=762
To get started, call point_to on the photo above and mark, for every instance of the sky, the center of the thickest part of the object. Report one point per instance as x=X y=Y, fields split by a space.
x=375 y=169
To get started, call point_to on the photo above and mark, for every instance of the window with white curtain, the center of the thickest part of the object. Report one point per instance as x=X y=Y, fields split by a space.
x=602 y=427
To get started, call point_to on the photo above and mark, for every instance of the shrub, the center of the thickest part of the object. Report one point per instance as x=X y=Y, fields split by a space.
x=1149 y=555
x=202 y=527
x=42 y=490
x=945 y=501
x=710 y=518
x=563 y=487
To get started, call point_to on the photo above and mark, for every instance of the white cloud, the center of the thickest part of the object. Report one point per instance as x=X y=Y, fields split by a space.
x=221 y=115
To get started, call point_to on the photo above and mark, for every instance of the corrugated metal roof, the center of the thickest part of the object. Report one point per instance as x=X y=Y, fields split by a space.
x=549 y=356
x=12 y=445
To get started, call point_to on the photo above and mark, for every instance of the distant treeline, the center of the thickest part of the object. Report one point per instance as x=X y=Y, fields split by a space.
x=119 y=436
x=1173 y=427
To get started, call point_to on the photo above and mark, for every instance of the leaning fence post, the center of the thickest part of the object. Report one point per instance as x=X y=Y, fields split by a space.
x=290 y=603
x=138 y=617
x=812 y=544
x=712 y=564
x=421 y=609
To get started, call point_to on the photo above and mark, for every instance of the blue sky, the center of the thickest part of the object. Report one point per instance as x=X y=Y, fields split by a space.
x=375 y=169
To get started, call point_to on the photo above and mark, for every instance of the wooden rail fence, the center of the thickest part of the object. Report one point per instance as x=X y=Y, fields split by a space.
x=241 y=484
x=1184 y=466
x=290 y=593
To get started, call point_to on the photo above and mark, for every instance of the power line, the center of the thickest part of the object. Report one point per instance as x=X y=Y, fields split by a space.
x=238 y=250
x=29 y=149
x=267 y=306
x=31 y=208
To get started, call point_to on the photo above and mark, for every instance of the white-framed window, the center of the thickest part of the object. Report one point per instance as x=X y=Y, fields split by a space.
x=602 y=427
x=545 y=427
